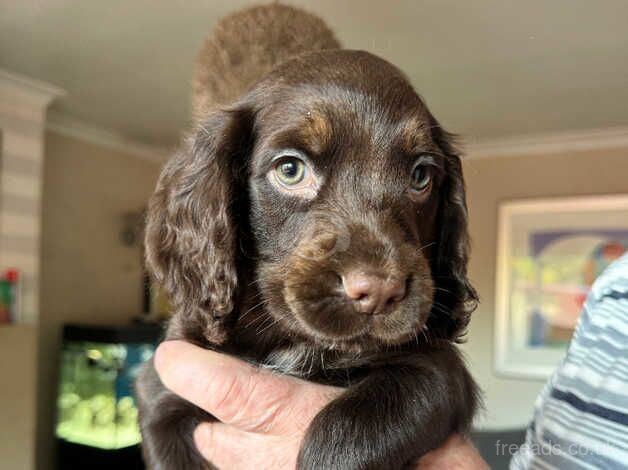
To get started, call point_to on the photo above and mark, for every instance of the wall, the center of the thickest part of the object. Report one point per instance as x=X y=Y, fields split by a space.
x=17 y=396
x=509 y=402
x=88 y=275
x=23 y=104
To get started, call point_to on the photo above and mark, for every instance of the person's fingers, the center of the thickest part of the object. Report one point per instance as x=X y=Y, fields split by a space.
x=227 y=447
x=238 y=393
x=457 y=453
x=221 y=444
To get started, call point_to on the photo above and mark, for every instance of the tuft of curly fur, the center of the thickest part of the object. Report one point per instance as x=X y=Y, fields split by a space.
x=245 y=46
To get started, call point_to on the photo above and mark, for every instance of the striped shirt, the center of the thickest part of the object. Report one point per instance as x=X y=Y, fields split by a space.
x=581 y=416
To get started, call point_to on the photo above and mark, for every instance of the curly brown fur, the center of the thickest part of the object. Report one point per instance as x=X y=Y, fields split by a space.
x=258 y=270
x=247 y=45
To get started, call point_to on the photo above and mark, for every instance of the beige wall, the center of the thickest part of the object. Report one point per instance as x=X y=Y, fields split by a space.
x=509 y=402
x=17 y=396
x=22 y=117
x=88 y=275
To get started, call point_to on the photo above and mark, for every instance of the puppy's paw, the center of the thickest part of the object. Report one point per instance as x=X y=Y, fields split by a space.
x=346 y=435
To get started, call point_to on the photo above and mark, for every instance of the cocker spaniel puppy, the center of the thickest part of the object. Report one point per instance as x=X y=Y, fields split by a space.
x=317 y=225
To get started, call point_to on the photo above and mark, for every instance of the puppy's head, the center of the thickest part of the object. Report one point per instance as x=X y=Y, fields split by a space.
x=346 y=197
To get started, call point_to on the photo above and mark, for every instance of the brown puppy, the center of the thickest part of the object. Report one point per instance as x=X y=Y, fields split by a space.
x=318 y=226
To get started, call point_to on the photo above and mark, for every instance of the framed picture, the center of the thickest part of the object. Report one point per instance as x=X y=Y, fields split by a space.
x=550 y=251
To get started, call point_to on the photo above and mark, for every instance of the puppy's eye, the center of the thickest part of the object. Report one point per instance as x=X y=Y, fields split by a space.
x=290 y=171
x=291 y=175
x=421 y=178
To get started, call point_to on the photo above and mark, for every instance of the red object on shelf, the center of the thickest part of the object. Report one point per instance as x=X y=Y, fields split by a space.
x=10 y=296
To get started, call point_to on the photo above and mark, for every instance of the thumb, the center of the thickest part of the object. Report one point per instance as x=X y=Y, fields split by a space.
x=238 y=393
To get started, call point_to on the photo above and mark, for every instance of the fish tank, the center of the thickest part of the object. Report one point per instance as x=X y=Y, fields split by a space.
x=96 y=424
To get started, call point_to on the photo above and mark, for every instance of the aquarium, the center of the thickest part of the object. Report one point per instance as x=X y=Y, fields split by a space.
x=96 y=404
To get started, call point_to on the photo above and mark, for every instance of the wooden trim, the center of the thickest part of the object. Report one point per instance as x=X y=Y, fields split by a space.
x=549 y=144
x=71 y=127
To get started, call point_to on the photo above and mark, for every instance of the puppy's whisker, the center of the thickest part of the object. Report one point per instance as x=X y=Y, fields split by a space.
x=442 y=289
x=263 y=302
x=426 y=336
x=419 y=250
x=441 y=307
x=255 y=296
x=265 y=328
x=257 y=319
x=447 y=291
x=254 y=281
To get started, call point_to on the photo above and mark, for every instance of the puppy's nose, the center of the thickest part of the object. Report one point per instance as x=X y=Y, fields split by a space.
x=372 y=294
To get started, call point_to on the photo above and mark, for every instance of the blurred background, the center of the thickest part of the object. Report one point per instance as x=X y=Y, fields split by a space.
x=94 y=96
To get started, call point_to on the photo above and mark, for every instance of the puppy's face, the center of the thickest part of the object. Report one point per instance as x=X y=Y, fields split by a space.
x=345 y=183
x=350 y=194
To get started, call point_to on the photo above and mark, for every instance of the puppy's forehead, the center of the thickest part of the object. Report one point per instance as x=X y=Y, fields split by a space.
x=317 y=117
x=342 y=98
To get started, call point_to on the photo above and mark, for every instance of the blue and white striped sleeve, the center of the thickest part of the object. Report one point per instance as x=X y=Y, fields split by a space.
x=581 y=416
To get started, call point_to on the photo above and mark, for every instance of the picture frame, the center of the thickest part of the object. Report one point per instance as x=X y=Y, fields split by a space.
x=549 y=252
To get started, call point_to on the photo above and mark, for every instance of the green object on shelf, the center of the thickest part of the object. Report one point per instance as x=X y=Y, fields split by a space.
x=9 y=296
x=6 y=298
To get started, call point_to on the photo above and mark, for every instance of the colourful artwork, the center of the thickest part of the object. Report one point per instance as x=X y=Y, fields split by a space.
x=555 y=280
x=550 y=253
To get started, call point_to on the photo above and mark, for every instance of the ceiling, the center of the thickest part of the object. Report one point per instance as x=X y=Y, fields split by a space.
x=487 y=68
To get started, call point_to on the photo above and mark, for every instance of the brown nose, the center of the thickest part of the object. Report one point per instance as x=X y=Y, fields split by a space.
x=372 y=294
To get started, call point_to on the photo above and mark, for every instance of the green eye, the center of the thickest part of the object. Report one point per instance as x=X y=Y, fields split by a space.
x=421 y=178
x=290 y=171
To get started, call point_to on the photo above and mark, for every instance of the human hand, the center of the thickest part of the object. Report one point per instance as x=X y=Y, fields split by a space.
x=262 y=416
x=456 y=454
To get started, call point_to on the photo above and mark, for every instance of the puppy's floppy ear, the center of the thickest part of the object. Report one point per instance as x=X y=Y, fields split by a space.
x=456 y=296
x=192 y=231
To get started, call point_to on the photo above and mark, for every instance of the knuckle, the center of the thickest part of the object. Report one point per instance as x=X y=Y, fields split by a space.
x=253 y=404
x=265 y=403
x=224 y=395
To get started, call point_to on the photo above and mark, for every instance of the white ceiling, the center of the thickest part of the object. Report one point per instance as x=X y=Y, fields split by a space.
x=488 y=68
